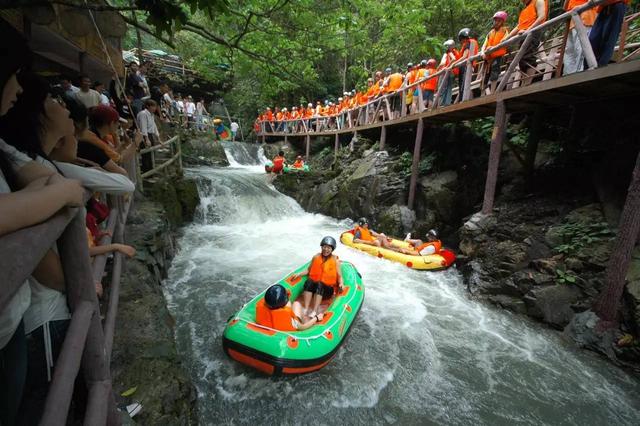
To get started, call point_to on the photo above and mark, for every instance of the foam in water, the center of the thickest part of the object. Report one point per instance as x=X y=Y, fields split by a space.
x=420 y=352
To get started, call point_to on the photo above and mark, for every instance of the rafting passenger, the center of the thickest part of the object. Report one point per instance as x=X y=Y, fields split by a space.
x=425 y=248
x=324 y=279
x=299 y=163
x=278 y=163
x=364 y=235
x=277 y=311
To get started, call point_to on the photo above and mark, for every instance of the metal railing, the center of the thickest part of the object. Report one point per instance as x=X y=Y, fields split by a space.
x=88 y=342
x=393 y=106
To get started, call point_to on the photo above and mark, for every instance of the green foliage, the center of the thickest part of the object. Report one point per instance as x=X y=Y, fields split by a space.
x=579 y=235
x=565 y=277
x=403 y=164
x=483 y=127
x=427 y=163
x=518 y=136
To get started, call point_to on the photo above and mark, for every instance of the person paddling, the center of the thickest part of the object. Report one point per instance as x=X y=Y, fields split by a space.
x=325 y=277
x=425 y=248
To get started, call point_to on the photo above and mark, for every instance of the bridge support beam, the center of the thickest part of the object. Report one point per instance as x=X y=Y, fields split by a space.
x=352 y=144
x=286 y=139
x=415 y=163
x=497 y=138
x=264 y=138
x=383 y=138
x=308 y=147
x=336 y=146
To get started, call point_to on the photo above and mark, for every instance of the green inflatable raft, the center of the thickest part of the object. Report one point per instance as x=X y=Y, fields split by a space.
x=276 y=352
x=289 y=169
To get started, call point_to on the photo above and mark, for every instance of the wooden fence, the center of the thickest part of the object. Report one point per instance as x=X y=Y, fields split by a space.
x=172 y=147
x=89 y=341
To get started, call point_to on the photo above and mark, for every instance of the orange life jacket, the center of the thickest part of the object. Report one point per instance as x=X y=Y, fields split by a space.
x=588 y=16
x=298 y=164
x=278 y=116
x=278 y=163
x=395 y=82
x=450 y=57
x=437 y=244
x=470 y=44
x=324 y=271
x=528 y=15
x=412 y=76
x=365 y=234
x=279 y=319
x=432 y=83
x=270 y=115
x=494 y=38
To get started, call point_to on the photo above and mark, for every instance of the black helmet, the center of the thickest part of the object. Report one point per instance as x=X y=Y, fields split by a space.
x=362 y=221
x=328 y=241
x=464 y=33
x=276 y=296
x=432 y=233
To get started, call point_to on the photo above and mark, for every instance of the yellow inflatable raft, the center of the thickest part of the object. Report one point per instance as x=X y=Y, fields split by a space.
x=433 y=262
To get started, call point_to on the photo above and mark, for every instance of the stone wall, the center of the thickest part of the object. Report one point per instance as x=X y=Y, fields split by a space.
x=144 y=352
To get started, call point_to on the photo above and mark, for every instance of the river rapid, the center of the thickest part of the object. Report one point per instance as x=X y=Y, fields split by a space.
x=421 y=352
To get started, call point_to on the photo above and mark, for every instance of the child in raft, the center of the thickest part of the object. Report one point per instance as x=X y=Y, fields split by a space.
x=425 y=248
x=364 y=235
x=299 y=163
x=277 y=311
x=324 y=276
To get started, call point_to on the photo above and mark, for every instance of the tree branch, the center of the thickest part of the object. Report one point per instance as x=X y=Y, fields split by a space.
x=94 y=7
x=148 y=30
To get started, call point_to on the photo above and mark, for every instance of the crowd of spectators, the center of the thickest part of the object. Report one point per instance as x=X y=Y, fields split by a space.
x=57 y=141
x=603 y=24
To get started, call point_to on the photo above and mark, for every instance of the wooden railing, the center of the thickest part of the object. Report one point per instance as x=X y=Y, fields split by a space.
x=88 y=342
x=175 y=155
x=549 y=65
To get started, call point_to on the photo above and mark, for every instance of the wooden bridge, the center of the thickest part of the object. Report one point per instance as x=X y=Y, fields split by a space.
x=513 y=93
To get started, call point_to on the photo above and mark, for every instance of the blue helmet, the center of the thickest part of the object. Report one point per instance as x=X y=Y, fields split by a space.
x=276 y=296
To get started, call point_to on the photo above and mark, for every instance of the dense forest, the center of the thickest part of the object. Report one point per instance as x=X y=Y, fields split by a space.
x=283 y=52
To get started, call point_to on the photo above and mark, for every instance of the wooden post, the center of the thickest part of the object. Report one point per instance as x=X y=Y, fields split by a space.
x=442 y=82
x=352 y=144
x=587 y=50
x=415 y=163
x=336 y=145
x=308 y=147
x=623 y=41
x=264 y=138
x=179 y=146
x=286 y=139
x=494 y=157
x=466 y=93
x=514 y=62
x=403 y=111
x=383 y=137
x=565 y=37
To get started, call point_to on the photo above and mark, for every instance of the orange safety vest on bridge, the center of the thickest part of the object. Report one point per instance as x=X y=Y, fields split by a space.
x=395 y=82
x=494 y=38
x=528 y=15
x=432 y=83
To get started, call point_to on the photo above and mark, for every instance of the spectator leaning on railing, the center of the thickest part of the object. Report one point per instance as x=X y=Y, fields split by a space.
x=39 y=125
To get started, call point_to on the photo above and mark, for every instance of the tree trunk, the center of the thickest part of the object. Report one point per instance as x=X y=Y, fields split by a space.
x=606 y=307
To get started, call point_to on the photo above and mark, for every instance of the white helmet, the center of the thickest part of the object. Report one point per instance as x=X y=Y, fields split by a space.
x=449 y=44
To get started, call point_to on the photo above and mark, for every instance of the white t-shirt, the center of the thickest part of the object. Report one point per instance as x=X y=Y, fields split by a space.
x=11 y=315
x=428 y=250
x=89 y=99
x=190 y=108
x=180 y=105
x=104 y=100
x=234 y=126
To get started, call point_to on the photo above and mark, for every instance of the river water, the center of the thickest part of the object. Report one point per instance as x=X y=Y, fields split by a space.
x=420 y=352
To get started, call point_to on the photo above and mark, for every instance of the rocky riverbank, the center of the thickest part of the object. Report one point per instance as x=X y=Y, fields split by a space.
x=543 y=251
x=144 y=353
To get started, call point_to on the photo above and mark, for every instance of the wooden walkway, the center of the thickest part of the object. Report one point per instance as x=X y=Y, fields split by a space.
x=513 y=94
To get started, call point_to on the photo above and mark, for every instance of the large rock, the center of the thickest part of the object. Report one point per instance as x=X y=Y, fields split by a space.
x=438 y=190
x=552 y=304
x=584 y=331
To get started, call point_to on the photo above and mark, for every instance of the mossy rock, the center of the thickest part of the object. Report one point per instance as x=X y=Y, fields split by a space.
x=187 y=192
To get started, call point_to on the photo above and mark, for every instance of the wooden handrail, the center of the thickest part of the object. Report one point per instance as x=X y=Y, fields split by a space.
x=572 y=15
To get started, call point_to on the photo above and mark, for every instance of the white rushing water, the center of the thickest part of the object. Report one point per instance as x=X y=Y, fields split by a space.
x=420 y=352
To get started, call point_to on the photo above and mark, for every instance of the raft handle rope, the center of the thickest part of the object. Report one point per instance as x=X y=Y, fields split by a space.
x=305 y=338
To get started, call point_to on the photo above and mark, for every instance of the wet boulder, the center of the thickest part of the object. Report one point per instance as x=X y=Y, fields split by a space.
x=438 y=190
x=552 y=304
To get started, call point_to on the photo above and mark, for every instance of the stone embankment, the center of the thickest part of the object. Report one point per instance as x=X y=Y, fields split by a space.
x=144 y=353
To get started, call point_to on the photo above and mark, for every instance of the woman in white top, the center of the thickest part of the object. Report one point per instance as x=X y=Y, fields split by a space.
x=41 y=197
x=50 y=137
